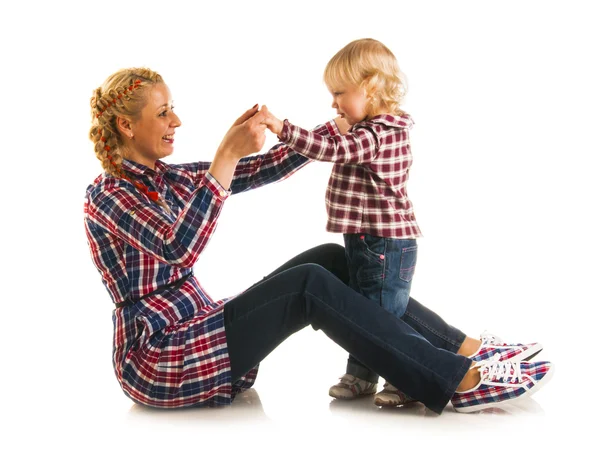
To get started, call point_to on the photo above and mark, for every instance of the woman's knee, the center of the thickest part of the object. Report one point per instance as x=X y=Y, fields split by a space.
x=309 y=273
x=333 y=249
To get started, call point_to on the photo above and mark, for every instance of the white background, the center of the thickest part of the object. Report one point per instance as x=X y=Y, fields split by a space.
x=505 y=97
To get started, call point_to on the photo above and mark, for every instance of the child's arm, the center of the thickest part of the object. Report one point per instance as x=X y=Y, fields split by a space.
x=359 y=146
x=277 y=164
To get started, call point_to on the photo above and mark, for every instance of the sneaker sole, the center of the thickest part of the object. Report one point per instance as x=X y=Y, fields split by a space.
x=523 y=356
x=529 y=353
x=534 y=389
x=379 y=402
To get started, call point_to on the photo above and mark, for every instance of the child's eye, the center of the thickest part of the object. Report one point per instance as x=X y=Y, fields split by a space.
x=337 y=94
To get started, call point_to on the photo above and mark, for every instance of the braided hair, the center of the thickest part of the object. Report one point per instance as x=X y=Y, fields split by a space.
x=122 y=94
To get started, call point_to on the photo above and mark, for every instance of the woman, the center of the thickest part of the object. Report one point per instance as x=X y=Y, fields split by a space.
x=174 y=346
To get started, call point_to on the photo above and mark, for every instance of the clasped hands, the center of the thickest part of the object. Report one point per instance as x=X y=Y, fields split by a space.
x=247 y=134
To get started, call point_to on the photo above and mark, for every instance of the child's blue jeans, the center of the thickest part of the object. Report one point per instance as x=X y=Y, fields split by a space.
x=381 y=269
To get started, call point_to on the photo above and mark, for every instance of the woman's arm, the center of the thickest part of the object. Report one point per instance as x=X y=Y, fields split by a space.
x=117 y=207
x=277 y=164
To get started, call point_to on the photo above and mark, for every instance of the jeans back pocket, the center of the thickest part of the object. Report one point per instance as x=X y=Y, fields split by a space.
x=408 y=262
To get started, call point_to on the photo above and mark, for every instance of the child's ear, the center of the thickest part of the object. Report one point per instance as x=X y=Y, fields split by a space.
x=368 y=86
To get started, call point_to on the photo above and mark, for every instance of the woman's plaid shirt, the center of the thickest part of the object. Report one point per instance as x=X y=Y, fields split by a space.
x=367 y=188
x=169 y=347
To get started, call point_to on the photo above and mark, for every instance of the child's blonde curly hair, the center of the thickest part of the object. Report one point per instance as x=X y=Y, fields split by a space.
x=368 y=63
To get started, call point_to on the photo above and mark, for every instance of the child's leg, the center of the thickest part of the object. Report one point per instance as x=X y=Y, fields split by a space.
x=366 y=270
x=400 y=259
x=437 y=331
x=261 y=318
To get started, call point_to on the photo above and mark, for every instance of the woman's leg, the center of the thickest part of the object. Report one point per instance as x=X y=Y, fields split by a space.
x=330 y=256
x=442 y=335
x=438 y=332
x=258 y=320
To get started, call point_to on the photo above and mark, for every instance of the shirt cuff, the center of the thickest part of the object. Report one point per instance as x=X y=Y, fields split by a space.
x=215 y=186
x=285 y=131
x=332 y=128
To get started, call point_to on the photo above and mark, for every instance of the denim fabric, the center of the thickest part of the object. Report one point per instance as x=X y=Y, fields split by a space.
x=382 y=269
x=289 y=299
x=258 y=320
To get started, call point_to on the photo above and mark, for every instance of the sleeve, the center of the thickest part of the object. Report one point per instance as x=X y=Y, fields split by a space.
x=127 y=214
x=279 y=163
x=196 y=170
x=358 y=146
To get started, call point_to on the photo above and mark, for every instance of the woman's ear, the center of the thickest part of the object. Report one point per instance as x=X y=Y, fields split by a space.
x=124 y=126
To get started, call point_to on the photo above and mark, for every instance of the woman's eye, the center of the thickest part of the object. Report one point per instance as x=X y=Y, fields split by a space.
x=164 y=113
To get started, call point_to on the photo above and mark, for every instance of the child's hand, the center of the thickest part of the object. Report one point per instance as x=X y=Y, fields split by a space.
x=342 y=125
x=272 y=123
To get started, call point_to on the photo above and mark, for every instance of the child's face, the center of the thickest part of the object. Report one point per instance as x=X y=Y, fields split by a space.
x=350 y=102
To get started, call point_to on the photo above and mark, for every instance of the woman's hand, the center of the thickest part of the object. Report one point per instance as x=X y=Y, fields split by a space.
x=246 y=136
x=272 y=123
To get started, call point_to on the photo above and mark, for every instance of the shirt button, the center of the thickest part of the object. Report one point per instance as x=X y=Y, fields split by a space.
x=222 y=193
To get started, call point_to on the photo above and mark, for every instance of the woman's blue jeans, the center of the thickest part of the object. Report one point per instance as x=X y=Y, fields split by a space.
x=300 y=294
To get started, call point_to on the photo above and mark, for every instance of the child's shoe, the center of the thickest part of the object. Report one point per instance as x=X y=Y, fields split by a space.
x=501 y=382
x=351 y=387
x=390 y=396
x=491 y=345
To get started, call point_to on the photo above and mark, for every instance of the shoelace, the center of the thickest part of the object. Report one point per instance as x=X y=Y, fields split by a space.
x=493 y=369
x=490 y=338
x=348 y=379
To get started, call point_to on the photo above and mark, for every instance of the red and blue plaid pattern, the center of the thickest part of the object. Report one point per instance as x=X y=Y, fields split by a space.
x=169 y=347
x=502 y=382
x=367 y=187
x=492 y=345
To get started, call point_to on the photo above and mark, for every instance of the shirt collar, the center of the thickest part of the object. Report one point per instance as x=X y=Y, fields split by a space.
x=403 y=121
x=139 y=169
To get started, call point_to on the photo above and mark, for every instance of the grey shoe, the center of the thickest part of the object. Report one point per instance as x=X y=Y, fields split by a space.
x=390 y=396
x=351 y=387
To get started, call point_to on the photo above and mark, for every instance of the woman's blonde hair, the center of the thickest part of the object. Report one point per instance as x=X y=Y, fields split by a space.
x=122 y=94
x=368 y=63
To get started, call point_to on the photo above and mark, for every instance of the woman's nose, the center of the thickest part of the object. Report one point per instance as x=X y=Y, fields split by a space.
x=176 y=121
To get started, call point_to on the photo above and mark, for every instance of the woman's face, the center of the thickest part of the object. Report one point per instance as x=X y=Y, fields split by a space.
x=154 y=131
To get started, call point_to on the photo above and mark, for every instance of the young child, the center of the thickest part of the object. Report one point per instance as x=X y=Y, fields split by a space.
x=366 y=197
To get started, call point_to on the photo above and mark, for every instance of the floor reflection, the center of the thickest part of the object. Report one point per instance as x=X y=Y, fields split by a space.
x=246 y=406
x=365 y=405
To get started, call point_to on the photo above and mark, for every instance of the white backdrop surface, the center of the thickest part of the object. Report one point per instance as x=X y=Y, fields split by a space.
x=505 y=98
